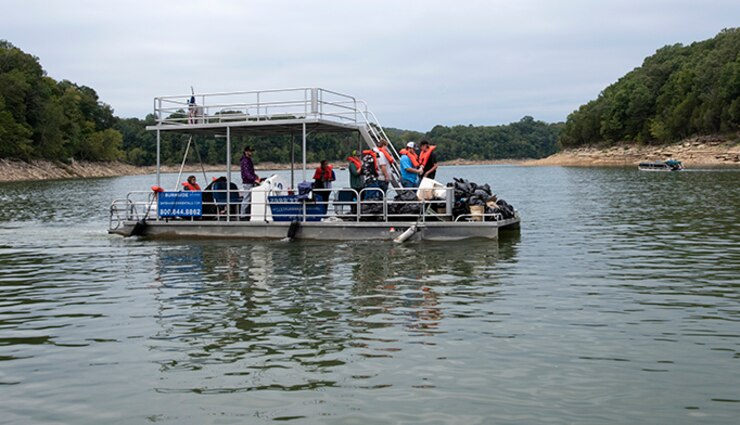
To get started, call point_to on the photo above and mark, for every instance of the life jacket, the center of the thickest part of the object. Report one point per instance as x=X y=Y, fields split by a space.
x=189 y=186
x=424 y=156
x=357 y=162
x=374 y=156
x=324 y=174
x=412 y=155
x=369 y=170
x=387 y=154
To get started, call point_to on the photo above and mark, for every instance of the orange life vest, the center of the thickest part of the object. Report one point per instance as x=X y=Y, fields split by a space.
x=412 y=155
x=374 y=155
x=357 y=162
x=189 y=186
x=424 y=156
x=387 y=154
x=323 y=174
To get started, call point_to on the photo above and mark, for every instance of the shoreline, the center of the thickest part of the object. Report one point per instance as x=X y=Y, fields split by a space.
x=705 y=151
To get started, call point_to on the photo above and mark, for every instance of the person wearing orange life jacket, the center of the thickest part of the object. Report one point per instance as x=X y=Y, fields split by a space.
x=410 y=151
x=409 y=164
x=383 y=164
x=322 y=178
x=369 y=167
x=190 y=184
x=428 y=159
x=383 y=148
x=355 y=171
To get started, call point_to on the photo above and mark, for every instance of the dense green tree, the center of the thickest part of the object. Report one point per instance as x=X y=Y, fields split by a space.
x=678 y=92
x=40 y=118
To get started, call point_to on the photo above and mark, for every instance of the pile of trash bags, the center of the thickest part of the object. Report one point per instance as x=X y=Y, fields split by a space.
x=468 y=194
x=405 y=203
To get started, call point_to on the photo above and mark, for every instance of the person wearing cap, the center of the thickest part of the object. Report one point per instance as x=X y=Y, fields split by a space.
x=355 y=171
x=410 y=169
x=249 y=180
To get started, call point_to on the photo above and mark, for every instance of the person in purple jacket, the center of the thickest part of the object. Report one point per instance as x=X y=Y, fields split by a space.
x=249 y=180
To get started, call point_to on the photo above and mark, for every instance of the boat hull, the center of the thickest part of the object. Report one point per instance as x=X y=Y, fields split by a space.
x=329 y=231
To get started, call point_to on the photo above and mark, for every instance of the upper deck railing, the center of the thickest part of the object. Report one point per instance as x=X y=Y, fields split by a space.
x=260 y=106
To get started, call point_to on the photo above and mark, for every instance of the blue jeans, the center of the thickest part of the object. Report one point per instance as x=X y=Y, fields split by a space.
x=408 y=183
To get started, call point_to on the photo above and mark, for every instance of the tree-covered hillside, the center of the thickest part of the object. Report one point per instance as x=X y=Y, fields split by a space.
x=678 y=92
x=43 y=118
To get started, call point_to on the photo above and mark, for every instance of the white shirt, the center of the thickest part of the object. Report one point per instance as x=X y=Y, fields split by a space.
x=382 y=163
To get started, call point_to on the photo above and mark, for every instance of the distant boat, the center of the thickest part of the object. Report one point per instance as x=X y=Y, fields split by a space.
x=669 y=165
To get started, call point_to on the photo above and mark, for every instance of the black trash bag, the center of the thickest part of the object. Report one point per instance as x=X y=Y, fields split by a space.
x=507 y=211
x=371 y=209
x=482 y=193
x=460 y=208
x=462 y=188
x=469 y=193
x=476 y=200
x=404 y=206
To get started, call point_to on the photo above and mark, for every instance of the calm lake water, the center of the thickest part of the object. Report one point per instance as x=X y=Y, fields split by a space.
x=618 y=302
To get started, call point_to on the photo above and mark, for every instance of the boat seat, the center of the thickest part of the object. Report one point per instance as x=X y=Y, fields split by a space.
x=345 y=202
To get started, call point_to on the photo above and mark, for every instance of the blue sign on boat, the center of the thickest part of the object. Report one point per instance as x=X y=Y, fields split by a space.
x=180 y=204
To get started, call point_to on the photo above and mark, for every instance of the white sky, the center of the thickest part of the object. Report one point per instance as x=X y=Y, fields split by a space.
x=416 y=63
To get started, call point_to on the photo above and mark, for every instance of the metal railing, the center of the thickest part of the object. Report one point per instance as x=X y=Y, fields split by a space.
x=257 y=106
x=368 y=204
x=262 y=106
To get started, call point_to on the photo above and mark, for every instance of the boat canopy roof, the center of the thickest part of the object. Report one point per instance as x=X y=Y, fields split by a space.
x=267 y=112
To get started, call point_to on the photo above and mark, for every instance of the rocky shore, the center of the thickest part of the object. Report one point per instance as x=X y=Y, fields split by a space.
x=705 y=151
x=11 y=170
x=695 y=152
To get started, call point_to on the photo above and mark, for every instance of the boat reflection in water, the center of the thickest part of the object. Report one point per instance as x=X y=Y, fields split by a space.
x=293 y=316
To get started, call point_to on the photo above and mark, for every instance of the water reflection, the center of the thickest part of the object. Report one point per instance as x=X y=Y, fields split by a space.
x=290 y=316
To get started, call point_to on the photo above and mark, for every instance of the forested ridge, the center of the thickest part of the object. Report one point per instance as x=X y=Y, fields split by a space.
x=41 y=118
x=679 y=92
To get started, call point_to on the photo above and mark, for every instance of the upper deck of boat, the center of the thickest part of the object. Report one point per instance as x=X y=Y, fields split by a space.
x=261 y=113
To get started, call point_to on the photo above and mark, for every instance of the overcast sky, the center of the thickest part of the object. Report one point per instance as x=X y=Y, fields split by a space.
x=416 y=63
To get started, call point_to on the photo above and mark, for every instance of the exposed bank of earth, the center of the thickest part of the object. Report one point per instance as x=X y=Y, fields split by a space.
x=695 y=152
x=705 y=151
x=12 y=170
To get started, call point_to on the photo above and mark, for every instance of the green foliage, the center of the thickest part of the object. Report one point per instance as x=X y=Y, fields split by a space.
x=678 y=92
x=524 y=139
x=40 y=118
